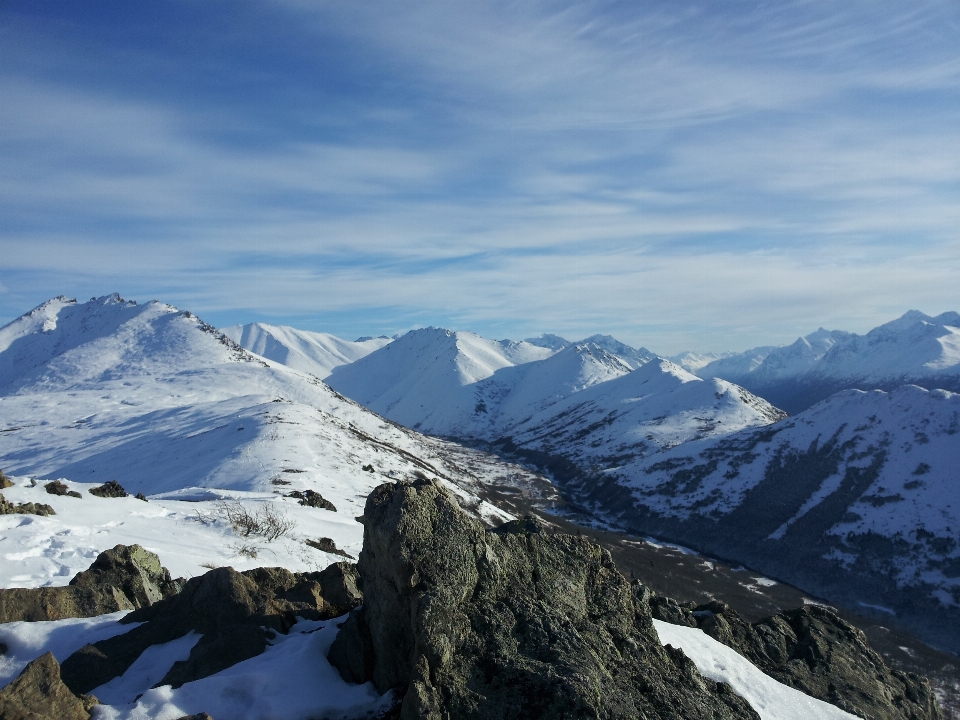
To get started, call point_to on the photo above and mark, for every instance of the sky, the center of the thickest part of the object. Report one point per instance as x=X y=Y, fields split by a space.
x=684 y=176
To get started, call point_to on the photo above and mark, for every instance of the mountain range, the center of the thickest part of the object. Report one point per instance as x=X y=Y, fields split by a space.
x=852 y=499
x=914 y=348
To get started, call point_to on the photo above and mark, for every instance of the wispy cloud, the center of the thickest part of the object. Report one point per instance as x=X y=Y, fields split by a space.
x=696 y=176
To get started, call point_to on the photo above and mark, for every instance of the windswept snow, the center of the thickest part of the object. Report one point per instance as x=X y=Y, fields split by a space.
x=310 y=352
x=771 y=699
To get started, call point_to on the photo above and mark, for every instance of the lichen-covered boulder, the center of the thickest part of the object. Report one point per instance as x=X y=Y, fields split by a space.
x=111 y=489
x=122 y=578
x=511 y=623
x=9 y=508
x=235 y=612
x=39 y=694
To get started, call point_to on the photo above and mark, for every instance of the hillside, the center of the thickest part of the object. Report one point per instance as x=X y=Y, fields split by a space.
x=854 y=499
x=157 y=399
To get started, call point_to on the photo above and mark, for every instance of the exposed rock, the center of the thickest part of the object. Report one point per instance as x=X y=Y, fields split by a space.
x=511 y=623
x=235 y=612
x=39 y=694
x=5 y=482
x=123 y=578
x=311 y=498
x=111 y=489
x=198 y=716
x=58 y=488
x=9 y=508
x=141 y=496
x=818 y=653
x=327 y=545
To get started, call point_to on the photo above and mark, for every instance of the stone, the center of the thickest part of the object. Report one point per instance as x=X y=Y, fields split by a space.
x=123 y=578
x=9 y=508
x=39 y=694
x=5 y=482
x=311 y=498
x=511 y=623
x=236 y=613
x=815 y=651
x=327 y=545
x=111 y=489
x=141 y=496
x=58 y=488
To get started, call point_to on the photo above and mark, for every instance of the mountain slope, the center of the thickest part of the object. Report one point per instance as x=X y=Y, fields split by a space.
x=660 y=405
x=854 y=499
x=310 y=352
x=157 y=399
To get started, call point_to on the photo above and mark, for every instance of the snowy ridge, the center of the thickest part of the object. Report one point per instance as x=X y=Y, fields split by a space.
x=160 y=401
x=310 y=352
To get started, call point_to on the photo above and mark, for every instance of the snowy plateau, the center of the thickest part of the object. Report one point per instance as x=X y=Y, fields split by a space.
x=854 y=498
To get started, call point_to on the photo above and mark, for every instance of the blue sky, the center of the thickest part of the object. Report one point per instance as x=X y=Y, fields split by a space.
x=704 y=176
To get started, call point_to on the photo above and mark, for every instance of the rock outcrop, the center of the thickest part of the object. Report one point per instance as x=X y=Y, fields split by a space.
x=111 y=489
x=39 y=694
x=815 y=651
x=123 y=578
x=58 y=488
x=9 y=508
x=5 y=482
x=311 y=498
x=511 y=623
x=236 y=613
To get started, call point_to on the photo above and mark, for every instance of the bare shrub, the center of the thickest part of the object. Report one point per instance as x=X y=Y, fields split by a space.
x=250 y=551
x=267 y=522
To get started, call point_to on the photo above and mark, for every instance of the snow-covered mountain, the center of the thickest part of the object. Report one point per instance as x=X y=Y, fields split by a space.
x=426 y=378
x=855 y=499
x=548 y=340
x=459 y=384
x=634 y=357
x=914 y=348
x=738 y=365
x=615 y=424
x=693 y=362
x=310 y=352
x=161 y=401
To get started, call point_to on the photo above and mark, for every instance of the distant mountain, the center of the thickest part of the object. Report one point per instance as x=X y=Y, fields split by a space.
x=458 y=384
x=915 y=348
x=854 y=499
x=693 y=362
x=552 y=342
x=310 y=352
x=736 y=366
x=632 y=357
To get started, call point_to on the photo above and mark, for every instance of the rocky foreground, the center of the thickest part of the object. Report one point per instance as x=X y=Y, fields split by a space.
x=459 y=622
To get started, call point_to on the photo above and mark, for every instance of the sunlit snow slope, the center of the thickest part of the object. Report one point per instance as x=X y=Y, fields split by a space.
x=158 y=400
x=310 y=352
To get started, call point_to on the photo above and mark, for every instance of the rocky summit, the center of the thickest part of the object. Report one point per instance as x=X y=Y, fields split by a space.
x=510 y=623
